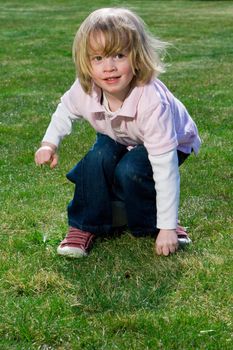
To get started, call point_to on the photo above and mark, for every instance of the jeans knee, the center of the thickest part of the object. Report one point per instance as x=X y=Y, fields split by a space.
x=126 y=172
x=101 y=157
x=105 y=152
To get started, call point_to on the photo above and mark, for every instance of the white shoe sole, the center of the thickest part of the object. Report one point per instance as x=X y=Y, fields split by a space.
x=71 y=252
x=184 y=241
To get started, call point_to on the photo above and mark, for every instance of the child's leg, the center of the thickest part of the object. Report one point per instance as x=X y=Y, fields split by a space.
x=90 y=210
x=135 y=186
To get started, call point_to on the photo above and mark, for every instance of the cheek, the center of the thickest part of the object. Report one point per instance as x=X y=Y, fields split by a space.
x=127 y=70
x=94 y=72
x=129 y=74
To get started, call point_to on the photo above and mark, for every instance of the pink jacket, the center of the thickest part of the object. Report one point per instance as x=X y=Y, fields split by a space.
x=150 y=115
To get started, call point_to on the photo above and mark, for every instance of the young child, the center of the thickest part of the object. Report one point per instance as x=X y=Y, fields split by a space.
x=143 y=134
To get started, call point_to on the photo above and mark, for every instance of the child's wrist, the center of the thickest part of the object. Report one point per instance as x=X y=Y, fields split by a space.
x=46 y=147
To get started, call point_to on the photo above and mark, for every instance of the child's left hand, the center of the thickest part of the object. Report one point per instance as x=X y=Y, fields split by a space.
x=166 y=242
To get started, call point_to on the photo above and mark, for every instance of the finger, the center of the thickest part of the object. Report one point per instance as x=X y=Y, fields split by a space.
x=38 y=160
x=166 y=251
x=158 y=249
x=54 y=161
x=173 y=248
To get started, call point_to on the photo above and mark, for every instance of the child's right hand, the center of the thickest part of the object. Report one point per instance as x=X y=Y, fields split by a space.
x=46 y=154
x=166 y=242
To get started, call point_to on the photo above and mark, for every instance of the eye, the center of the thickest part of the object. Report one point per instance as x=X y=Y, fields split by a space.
x=119 y=56
x=97 y=58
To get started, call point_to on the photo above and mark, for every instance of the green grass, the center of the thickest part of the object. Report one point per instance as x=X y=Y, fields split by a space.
x=122 y=296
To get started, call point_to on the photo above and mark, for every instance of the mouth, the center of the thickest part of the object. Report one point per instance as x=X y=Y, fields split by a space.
x=112 y=79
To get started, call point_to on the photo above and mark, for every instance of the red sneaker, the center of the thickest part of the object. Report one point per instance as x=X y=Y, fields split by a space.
x=76 y=244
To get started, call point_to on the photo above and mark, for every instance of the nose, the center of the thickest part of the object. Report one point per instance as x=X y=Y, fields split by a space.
x=109 y=64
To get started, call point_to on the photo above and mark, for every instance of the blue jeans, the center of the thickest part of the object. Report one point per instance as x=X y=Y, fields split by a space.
x=107 y=173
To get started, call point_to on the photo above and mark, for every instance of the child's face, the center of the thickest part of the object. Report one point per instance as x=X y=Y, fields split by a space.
x=113 y=74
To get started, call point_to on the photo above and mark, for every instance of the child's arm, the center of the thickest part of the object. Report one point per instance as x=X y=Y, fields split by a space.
x=167 y=186
x=59 y=127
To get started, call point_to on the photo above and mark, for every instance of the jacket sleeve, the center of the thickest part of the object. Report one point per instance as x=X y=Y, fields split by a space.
x=60 y=125
x=68 y=110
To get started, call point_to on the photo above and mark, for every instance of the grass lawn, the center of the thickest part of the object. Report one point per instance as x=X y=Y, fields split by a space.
x=122 y=296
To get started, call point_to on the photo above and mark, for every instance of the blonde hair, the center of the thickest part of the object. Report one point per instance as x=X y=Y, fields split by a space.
x=123 y=30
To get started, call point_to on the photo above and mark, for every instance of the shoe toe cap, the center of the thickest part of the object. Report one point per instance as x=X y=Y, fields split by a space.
x=71 y=252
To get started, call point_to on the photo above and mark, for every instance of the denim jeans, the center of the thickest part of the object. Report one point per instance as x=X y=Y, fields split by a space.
x=109 y=172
